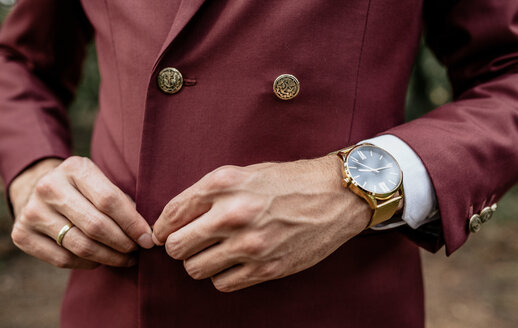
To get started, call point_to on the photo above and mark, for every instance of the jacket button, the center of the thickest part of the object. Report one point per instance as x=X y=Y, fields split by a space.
x=486 y=214
x=475 y=223
x=286 y=87
x=170 y=80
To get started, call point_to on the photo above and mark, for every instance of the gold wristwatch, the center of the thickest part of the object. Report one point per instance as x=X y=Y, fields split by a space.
x=374 y=175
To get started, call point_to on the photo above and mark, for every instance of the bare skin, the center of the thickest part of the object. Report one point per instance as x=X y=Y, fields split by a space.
x=241 y=226
x=107 y=227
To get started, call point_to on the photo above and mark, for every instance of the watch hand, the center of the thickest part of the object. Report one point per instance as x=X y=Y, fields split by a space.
x=370 y=168
x=384 y=167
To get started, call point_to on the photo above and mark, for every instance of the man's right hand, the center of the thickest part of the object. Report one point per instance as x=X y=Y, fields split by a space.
x=53 y=193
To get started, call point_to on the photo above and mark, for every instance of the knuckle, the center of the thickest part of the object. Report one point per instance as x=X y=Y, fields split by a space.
x=131 y=226
x=221 y=286
x=94 y=227
x=74 y=163
x=241 y=213
x=120 y=261
x=234 y=217
x=172 y=248
x=107 y=201
x=170 y=209
x=193 y=270
x=269 y=270
x=253 y=245
x=19 y=236
x=63 y=261
x=45 y=187
x=31 y=211
x=83 y=248
x=128 y=246
x=224 y=177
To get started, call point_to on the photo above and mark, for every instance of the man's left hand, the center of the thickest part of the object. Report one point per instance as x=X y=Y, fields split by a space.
x=241 y=226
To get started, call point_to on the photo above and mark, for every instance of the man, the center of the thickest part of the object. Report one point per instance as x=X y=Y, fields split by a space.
x=207 y=109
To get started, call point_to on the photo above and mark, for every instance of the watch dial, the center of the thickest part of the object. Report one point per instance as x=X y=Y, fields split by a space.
x=373 y=169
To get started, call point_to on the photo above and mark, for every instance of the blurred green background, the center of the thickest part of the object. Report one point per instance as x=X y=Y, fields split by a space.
x=476 y=287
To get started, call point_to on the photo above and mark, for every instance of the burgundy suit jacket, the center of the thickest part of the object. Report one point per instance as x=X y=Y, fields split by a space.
x=353 y=59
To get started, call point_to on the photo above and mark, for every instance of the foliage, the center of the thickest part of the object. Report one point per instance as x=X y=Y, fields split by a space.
x=429 y=85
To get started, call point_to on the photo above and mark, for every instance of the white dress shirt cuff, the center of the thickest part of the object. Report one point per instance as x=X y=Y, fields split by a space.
x=420 y=202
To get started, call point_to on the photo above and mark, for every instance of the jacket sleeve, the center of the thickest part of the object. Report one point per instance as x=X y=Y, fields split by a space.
x=469 y=146
x=42 y=46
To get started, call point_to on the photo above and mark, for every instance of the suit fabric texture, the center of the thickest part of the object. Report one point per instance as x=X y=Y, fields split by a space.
x=353 y=60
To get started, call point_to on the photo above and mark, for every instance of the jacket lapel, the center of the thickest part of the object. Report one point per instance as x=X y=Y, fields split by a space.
x=186 y=12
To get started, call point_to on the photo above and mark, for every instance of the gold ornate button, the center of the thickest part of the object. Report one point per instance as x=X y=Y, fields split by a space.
x=486 y=214
x=170 y=80
x=475 y=223
x=286 y=87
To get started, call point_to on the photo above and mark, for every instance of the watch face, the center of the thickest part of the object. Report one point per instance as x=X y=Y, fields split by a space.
x=373 y=169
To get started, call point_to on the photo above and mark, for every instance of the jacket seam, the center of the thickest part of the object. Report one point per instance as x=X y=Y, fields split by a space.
x=118 y=79
x=358 y=73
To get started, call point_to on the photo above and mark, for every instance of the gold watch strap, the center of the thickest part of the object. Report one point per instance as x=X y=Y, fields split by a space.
x=384 y=210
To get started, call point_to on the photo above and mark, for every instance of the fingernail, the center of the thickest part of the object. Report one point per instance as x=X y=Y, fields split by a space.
x=155 y=240
x=146 y=241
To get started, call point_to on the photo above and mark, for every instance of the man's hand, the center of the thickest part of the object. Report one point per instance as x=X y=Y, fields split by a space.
x=246 y=225
x=53 y=193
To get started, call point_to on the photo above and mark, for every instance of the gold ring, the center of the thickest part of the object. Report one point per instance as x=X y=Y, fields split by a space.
x=63 y=232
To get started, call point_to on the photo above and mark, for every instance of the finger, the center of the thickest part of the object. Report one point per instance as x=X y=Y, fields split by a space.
x=50 y=224
x=96 y=225
x=196 y=236
x=211 y=261
x=181 y=210
x=47 y=250
x=113 y=202
x=196 y=200
x=188 y=241
x=236 y=278
x=82 y=246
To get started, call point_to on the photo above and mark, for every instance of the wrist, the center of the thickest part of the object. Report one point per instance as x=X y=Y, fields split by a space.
x=354 y=206
x=21 y=187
